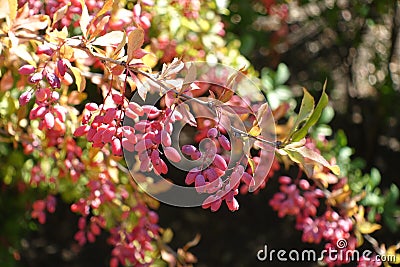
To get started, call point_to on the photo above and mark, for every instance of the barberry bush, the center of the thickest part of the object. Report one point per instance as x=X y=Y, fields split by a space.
x=111 y=106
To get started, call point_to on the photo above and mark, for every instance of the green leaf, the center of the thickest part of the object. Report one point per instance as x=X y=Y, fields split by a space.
x=302 y=132
x=304 y=154
x=306 y=110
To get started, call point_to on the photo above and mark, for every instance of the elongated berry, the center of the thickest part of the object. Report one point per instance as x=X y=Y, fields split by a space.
x=53 y=80
x=36 y=77
x=61 y=67
x=220 y=162
x=188 y=149
x=116 y=147
x=91 y=106
x=110 y=115
x=44 y=49
x=212 y=133
x=172 y=154
x=143 y=145
x=26 y=70
x=224 y=142
x=200 y=182
x=24 y=98
x=210 y=174
x=165 y=138
x=191 y=176
x=130 y=114
x=49 y=120
x=248 y=179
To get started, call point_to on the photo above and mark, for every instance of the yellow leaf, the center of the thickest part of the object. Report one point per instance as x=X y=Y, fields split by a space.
x=66 y=51
x=255 y=131
x=135 y=41
x=150 y=60
x=391 y=253
x=99 y=27
x=167 y=235
x=85 y=18
x=79 y=79
x=59 y=14
x=252 y=164
x=368 y=227
x=106 y=7
x=13 y=6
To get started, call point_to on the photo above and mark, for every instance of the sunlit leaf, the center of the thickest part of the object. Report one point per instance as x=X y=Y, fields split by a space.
x=99 y=27
x=255 y=131
x=366 y=227
x=301 y=133
x=306 y=109
x=13 y=6
x=59 y=14
x=301 y=154
x=79 y=79
x=135 y=41
x=84 y=19
x=251 y=164
x=106 y=7
x=110 y=38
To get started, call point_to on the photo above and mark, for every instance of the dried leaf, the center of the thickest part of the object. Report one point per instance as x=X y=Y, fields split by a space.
x=7 y=81
x=79 y=79
x=135 y=41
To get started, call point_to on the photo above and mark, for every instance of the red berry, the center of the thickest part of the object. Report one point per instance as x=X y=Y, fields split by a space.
x=26 y=69
x=24 y=98
x=212 y=133
x=172 y=154
x=224 y=142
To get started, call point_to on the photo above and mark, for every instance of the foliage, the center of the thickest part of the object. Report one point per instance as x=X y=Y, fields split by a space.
x=69 y=72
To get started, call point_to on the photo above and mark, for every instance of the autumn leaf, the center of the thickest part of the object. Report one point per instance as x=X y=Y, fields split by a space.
x=79 y=79
x=305 y=156
x=85 y=19
x=110 y=38
x=59 y=14
x=13 y=7
x=135 y=41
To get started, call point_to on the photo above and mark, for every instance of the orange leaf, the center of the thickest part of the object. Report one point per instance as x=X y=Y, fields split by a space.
x=135 y=41
x=59 y=14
